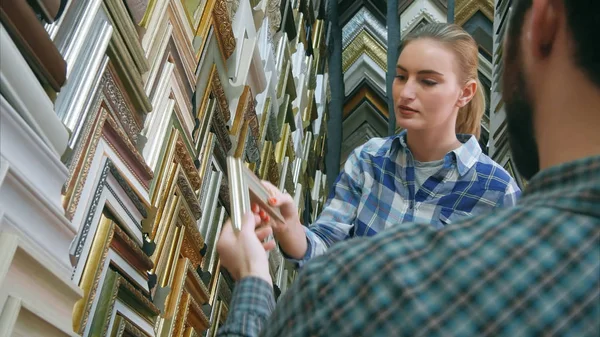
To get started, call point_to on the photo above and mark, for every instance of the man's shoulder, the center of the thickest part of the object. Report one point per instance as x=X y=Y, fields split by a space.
x=433 y=278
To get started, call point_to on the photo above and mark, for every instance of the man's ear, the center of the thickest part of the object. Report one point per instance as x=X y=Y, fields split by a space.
x=543 y=27
x=467 y=93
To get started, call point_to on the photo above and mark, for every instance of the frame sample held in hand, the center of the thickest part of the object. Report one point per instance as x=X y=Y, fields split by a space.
x=245 y=187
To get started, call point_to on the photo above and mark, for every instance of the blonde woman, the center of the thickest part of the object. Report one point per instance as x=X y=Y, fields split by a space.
x=433 y=172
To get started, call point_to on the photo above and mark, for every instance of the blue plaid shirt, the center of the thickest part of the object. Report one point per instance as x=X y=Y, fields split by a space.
x=377 y=190
x=529 y=270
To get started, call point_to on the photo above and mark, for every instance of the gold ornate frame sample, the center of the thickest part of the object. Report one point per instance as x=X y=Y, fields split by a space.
x=214 y=101
x=176 y=152
x=111 y=247
x=184 y=311
x=121 y=298
x=178 y=235
x=178 y=226
x=364 y=43
x=215 y=15
x=465 y=9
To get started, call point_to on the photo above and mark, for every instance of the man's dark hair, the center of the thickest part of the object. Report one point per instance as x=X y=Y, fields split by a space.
x=583 y=17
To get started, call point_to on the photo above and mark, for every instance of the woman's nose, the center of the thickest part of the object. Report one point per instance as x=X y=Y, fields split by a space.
x=407 y=91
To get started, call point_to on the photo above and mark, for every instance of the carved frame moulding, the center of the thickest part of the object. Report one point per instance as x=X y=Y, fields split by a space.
x=157 y=124
x=252 y=152
x=183 y=35
x=123 y=111
x=205 y=166
x=265 y=160
x=285 y=109
x=215 y=15
x=168 y=223
x=210 y=261
x=245 y=103
x=183 y=310
x=128 y=71
x=121 y=19
x=156 y=52
x=178 y=212
x=109 y=100
x=112 y=192
x=363 y=20
x=210 y=206
x=242 y=142
x=111 y=248
x=364 y=43
x=214 y=93
x=193 y=242
x=215 y=319
x=151 y=22
x=186 y=241
x=119 y=297
x=466 y=9
x=175 y=152
x=224 y=195
x=123 y=327
x=103 y=138
x=289 y=179
x=282 y=145
x=203 y=125
x=423 y=14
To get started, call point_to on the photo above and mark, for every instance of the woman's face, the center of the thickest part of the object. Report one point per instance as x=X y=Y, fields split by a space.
x=426 y=90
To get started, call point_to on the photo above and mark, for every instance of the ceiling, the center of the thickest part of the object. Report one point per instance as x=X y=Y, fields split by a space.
x=364 y=57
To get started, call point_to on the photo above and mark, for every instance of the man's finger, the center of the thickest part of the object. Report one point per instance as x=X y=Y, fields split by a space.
x=249 y=222
x=269 y=245
x=263 y=232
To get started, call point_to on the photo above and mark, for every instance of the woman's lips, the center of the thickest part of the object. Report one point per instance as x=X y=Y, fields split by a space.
x=405 y=110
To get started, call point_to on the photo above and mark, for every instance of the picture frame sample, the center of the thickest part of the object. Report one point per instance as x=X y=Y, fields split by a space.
x=246 y=188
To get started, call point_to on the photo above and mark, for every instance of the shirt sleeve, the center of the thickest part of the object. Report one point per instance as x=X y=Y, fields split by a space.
x=299 y=311
x=512 y=194
x=251 y=305
x=337 y=218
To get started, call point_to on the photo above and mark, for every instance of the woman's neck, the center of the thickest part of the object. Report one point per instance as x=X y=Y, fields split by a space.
x=431 y=145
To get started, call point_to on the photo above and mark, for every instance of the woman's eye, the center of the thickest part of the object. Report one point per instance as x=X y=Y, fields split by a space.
x=401 y=77
x=429 y=82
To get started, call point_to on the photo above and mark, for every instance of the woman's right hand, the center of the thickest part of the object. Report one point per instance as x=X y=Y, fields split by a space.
x=286 y=206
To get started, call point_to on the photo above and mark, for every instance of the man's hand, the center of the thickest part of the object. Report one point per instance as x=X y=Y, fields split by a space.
x=243 y=253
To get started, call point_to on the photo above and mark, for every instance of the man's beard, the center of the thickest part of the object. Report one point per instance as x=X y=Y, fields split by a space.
x=519 y=119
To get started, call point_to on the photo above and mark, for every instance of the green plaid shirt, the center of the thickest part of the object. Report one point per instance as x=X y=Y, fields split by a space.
x=530 y=270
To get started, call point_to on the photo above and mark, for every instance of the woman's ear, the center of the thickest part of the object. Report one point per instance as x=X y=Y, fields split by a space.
x=467 y=93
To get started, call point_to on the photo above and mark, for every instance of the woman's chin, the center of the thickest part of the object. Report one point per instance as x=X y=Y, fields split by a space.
x=409 y=123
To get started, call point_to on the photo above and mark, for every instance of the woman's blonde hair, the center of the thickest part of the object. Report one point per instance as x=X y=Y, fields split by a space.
x=465 y=48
